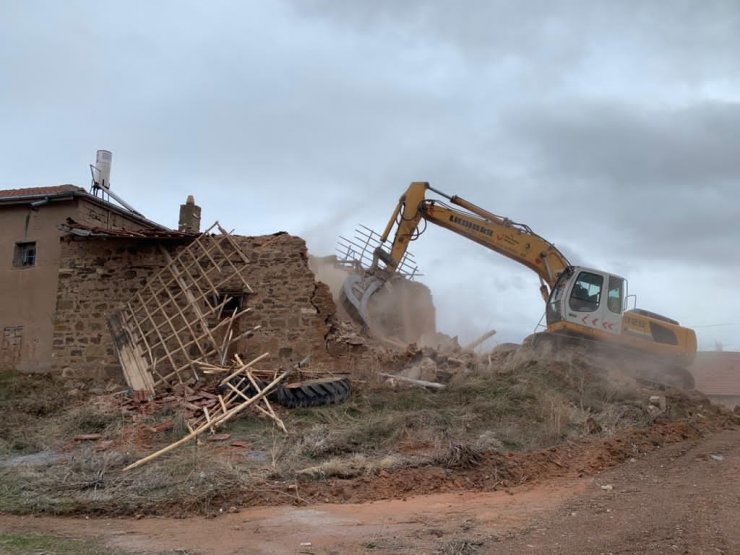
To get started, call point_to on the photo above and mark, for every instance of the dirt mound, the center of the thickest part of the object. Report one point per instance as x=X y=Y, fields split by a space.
x=491 y=471
x=509 y=417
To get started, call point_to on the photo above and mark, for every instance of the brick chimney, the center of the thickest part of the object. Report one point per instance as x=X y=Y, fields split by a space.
x=189 y=216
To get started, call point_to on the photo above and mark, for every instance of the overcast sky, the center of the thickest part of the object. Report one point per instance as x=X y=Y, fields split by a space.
x=610 y=128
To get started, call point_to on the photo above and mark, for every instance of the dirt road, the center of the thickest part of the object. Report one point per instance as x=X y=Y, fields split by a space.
x=684 y=498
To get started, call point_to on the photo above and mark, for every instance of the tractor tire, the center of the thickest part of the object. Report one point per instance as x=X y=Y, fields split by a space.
x=315 y=393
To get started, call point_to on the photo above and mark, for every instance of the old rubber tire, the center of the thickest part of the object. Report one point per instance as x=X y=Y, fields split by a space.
x=315 y=393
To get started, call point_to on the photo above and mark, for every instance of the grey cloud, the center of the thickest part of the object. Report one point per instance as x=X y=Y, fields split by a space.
x=633 y=146
x=652 y=183
x=689 y=39
x=608 y=127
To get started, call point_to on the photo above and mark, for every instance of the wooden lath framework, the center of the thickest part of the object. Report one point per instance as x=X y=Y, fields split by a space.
x=186 y=314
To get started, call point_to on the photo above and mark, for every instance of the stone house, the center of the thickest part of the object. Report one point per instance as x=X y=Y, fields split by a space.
x=69 y=259
x=30 y=256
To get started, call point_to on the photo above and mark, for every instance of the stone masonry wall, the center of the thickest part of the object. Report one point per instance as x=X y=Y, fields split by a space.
x=98 y=276
x=291 y=306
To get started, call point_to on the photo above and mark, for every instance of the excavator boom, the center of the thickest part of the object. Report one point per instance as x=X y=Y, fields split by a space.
x=513 y=240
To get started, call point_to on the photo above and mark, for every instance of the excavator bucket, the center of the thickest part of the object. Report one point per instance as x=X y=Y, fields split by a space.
x=398 y=310
x=389 y=305
x=357 y=290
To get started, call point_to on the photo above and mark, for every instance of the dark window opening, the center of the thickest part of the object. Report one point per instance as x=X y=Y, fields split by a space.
x=230 y=302
x=614 y=295
x=586 y=293
x=25 y=255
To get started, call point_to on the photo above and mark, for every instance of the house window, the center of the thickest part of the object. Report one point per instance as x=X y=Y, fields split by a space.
x=25 y=254
x=230 y=302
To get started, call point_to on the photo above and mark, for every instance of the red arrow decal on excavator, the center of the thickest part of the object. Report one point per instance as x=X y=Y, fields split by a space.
x=584 y=320
x=595 y=320
x=607 y=325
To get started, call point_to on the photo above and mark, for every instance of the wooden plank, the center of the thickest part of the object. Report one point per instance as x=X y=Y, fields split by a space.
x=422 y=383
x=135 y=367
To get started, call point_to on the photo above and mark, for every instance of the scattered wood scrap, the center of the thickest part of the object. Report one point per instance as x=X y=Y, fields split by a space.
x=483 y=338
x=236 y=404
x=420 y=383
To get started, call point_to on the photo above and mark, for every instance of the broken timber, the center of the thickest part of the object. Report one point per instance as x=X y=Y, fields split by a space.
x=182 y=316
x=226 y=415
x=472 y=346
x=421 y=383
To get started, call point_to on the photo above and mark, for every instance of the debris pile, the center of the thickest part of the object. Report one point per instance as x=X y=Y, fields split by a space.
x=236 y=398
x=182 y=398
x=184 y=324
x=438 y=366
x=182 y=317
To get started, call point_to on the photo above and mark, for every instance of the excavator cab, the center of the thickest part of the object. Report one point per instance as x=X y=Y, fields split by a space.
x=587 y=297
x=589 y=304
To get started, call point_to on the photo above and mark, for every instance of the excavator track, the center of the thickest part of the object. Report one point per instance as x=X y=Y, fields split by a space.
x=642 y=366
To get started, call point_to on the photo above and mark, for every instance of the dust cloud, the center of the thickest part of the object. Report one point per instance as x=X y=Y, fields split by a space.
x=402 y=311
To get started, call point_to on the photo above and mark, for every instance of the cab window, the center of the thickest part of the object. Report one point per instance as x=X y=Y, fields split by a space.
x=586 y=293
x=556 y=298
x=614 y=295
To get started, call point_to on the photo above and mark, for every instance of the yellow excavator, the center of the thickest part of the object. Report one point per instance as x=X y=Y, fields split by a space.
x=582 y=304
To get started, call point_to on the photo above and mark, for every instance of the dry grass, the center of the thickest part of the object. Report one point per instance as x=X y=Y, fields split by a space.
x=460 y=547
x=21 y=543
x=191 y=480
x=523 y=402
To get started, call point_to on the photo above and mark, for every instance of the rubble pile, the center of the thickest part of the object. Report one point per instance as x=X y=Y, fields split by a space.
x=439 y=366
x=188 y=400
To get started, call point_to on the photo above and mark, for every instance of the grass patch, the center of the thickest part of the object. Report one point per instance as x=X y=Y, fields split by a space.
x=191 y=480
x=34 y=408
x=26 y=544
x=20 y=543
x=460 y=547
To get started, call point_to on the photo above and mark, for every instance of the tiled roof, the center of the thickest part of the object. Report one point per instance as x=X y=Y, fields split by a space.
x=83 y=230
x=38 y=191
x=10 y=197
x=717 y=373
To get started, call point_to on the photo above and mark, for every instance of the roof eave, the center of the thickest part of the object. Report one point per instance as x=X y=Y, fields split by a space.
x=82 y=194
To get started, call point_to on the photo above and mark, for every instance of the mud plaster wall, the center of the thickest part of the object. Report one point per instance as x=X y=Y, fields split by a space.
x=98 y=276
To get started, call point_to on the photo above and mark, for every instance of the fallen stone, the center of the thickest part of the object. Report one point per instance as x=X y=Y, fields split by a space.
x=658 y=401
x=104 y=444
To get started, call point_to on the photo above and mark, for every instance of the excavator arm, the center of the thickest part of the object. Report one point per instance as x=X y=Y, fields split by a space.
x=515 y=241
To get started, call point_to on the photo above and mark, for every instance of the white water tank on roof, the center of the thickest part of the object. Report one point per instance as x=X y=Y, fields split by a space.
x=102 y=168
